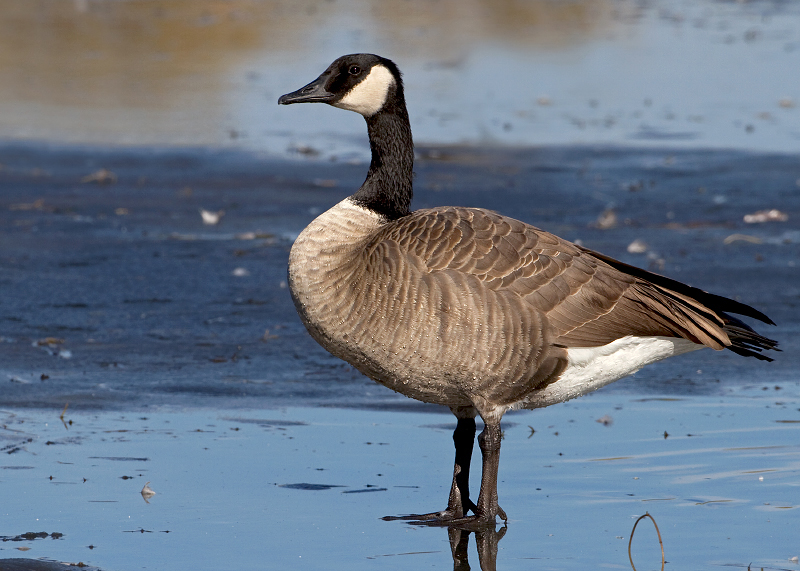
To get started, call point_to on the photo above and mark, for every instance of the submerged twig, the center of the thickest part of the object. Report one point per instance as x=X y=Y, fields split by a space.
x=661 y=543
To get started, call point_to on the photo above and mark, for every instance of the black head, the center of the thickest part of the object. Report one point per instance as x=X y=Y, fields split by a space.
x=364 y=83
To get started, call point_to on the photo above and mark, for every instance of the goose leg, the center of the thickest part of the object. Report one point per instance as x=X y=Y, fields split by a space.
x=463 y=438
x=458 y=503
x=487 y=509
x=489 y=441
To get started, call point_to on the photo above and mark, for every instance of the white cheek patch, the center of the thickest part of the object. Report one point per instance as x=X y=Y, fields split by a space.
x=370 y=94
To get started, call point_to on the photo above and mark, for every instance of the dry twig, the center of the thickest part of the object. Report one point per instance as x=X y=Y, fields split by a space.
x=661 y=543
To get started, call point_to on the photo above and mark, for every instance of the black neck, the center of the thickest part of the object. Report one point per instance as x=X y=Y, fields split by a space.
x=388 y=187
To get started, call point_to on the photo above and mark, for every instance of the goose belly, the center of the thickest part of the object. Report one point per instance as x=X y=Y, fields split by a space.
x=361 y=322
x=402 y=338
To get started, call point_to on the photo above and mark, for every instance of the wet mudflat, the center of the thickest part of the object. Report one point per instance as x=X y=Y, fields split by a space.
x=177 y=349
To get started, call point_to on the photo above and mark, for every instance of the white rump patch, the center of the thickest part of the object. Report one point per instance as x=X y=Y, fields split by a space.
x=590 y=368
x=369 y=95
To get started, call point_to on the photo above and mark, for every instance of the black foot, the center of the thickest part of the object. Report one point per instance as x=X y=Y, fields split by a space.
x=443 y=516
x=469 y=523
x=457 y=520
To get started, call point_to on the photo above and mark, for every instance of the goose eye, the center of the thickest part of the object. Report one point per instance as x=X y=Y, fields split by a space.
x=354 y=70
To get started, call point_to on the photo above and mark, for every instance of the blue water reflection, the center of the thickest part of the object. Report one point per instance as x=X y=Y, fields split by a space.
x=274 y=488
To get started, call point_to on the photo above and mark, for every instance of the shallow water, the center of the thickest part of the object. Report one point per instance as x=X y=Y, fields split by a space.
x=304 y=488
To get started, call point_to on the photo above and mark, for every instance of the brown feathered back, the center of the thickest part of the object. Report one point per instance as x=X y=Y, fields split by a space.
x=587 y=299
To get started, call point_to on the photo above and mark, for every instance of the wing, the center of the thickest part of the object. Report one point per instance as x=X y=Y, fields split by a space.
x=584 y=299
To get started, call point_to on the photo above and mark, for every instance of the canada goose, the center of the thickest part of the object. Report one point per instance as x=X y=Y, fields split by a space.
x=467 y=308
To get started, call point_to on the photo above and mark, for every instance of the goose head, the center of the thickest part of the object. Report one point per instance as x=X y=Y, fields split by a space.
x=364 y=83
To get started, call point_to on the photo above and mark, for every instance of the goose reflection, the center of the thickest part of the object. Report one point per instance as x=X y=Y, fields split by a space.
x=486 y=540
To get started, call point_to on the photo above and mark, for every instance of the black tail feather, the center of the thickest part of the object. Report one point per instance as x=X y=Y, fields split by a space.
x=745 y=340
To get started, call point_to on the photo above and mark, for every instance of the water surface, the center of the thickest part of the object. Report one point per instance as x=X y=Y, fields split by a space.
x=304 y=488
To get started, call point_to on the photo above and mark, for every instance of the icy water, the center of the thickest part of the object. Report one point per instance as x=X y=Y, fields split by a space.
x=650 y=131
x=299 y=488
